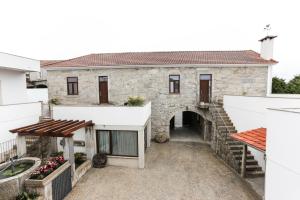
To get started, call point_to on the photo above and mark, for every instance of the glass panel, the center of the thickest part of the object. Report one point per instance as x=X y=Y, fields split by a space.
x=172 y=87
x=72 y=79
x=174 y=77
x=124 y=143
x=75 y=87
x=103 y=140
x=176 y=86
x=205 y=76
x=103 y=78
x=70 y=88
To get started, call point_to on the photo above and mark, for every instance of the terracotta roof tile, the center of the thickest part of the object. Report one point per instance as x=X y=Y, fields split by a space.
x=164 y=58
x=255 y=138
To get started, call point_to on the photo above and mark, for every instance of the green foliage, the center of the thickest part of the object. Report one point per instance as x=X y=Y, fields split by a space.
x=135 y=101
x=293 y=87
x=54 y=101
x=79 y=158
x=279 y=86
x=27 y=196
x=55 y=154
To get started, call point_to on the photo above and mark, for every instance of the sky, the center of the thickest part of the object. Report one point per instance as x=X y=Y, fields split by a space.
x=63 y=29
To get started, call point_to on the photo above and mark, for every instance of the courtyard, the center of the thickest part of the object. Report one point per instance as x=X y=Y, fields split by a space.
x=174 y=170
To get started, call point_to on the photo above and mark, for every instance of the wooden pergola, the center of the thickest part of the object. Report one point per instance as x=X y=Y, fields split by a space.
x=58 y=128
x=52 y=128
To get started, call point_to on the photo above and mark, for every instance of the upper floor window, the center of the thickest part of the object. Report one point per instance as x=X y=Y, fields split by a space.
x=72 y=85
x=174 y=84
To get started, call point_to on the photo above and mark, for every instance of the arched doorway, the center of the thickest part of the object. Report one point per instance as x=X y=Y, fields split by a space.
x=187 y=126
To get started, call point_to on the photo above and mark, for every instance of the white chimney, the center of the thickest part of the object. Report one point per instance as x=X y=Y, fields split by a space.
x=266 y=51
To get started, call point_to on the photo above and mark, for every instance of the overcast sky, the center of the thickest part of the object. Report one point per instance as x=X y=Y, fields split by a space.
x=58 y=29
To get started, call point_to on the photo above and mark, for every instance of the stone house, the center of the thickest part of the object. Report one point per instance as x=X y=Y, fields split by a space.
x=182 y=86
x=153 y=76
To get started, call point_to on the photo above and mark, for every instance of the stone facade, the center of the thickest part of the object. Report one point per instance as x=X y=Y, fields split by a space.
x=152 y=83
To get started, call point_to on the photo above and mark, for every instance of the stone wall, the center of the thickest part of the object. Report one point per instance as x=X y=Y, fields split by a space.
x=152 y=83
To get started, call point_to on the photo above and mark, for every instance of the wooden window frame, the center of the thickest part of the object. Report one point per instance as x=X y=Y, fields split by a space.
x=72 y=92
x=111 y=143
x=170 y=80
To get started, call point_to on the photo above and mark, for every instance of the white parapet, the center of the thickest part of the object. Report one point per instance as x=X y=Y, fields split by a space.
x=19 y=63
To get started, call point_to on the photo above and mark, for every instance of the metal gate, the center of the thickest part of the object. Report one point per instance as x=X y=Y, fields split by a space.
x=62 y=185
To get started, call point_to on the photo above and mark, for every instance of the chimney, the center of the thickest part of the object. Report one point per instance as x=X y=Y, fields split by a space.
x=266 y=51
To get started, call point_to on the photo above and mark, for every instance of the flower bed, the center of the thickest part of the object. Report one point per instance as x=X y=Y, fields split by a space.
x=46 y=169
x=41 y=181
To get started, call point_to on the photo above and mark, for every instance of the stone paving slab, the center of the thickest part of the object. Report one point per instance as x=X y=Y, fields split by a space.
x=174 y=171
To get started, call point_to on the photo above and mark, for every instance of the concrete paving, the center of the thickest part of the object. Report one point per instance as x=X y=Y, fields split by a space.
x=174 y=170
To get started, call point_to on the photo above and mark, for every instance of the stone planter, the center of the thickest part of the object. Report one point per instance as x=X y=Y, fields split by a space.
x=12 y=186
x=44 y=187
x=80 y=171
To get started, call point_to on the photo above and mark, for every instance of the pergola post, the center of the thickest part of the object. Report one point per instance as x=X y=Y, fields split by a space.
x=244 y=158
x=89 y=143
x=141 y=148
x=21 y=145
x=69 y=153
x=149 y=133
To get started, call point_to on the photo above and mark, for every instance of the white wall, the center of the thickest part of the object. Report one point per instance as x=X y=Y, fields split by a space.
x=178 y=119
x=283 y=163
x=37 y=94
x=249 y=113
x=15 y=116
x=19 y=63
x=105 y=115
x=111 y=118
x=13 y=86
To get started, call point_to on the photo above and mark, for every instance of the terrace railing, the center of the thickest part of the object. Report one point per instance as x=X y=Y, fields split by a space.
x=8 y=150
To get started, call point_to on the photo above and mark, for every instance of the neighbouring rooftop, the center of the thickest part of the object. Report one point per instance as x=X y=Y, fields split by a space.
x=162 y=58
x=255 y=138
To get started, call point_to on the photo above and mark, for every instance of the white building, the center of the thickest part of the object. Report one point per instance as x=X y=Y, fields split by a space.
x=16 y=109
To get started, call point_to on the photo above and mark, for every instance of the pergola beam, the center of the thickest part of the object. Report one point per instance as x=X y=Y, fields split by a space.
x=29 y=126
x=53 y=128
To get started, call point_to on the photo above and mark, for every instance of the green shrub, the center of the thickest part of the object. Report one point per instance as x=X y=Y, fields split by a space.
x=79 y=158
x=27 y=196
x=135 y=101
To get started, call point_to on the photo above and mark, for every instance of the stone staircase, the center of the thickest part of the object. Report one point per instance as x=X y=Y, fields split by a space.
x=229 y=149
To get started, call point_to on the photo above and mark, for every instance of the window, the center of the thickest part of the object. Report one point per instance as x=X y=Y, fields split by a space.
x=174 y=84
x=117 y=143
x=72 y=84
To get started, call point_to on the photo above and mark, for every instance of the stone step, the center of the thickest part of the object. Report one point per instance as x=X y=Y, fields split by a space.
x=237 y=152
x=255 y=174
x=249 y=162
x=253 y=168
x=236 y=147
x=239 y=156
x=226 y=128
x=233 y=142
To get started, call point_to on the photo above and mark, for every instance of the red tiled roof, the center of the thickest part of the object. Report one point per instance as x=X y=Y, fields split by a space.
x=165 y=58
x=255 y=138
x=49 y=62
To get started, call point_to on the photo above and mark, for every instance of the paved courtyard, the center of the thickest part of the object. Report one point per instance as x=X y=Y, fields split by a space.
x=175 y=171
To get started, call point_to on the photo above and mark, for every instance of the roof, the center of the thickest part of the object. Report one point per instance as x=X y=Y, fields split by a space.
x=54 y=128
x=255 y=138
x=49 y=62
x=164 y=58
x=267 y=37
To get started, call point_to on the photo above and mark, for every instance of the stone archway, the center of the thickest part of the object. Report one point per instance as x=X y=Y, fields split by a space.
x=196 y=125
